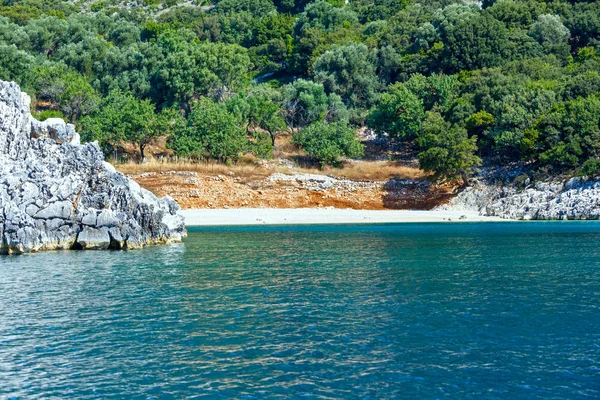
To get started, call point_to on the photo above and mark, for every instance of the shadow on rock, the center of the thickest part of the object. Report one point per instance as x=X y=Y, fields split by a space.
x=410 y=194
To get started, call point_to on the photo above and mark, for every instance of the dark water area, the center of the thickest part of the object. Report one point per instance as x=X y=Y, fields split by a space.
x=406 y=311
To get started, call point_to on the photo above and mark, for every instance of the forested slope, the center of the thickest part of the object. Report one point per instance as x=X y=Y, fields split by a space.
x=512 y=80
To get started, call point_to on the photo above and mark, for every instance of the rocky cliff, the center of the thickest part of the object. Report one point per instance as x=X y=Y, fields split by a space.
x=56 y=193
x=576 y=198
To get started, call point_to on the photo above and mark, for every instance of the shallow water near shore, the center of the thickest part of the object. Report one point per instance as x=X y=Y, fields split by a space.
x=464 y=310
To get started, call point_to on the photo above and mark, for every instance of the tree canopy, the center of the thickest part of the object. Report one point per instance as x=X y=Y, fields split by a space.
x=515 y=79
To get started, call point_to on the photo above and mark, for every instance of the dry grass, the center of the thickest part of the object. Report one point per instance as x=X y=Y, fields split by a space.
x=377 y=171
x=248 y=167
x=201 y=167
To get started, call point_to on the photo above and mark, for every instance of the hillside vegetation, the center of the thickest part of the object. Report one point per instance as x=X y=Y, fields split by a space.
x=512 y=80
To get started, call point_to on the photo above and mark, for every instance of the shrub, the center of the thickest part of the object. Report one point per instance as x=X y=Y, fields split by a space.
x=210 y=131
x=328 y=142
x=446 y=149
x=591 y=167
x=45 y=114
x=400 y=113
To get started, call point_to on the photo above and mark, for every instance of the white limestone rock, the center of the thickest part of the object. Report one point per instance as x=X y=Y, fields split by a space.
x=94 y=239
x=577 y=198
x=58 y=194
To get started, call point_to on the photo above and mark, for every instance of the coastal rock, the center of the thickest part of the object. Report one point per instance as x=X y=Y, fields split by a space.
x=58 y=194
x=319 y=183
x=577 y=198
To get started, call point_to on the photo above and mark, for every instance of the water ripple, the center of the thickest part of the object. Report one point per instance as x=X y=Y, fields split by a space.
x=390 y=311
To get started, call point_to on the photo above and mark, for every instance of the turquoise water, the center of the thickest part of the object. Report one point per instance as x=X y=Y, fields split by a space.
x=456 y=311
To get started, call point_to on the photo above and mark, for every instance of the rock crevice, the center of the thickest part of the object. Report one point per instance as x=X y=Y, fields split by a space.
x=56 y=193
x=576 y=198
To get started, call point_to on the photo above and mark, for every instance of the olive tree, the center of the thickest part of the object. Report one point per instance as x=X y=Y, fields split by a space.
x=212 y=131
x=349 y=71
x=446 y=149
x=399 y=113
x=328 y=142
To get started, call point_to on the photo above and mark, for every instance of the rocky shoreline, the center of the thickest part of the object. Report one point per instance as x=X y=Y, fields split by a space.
x=57 y=194
x=572 y=199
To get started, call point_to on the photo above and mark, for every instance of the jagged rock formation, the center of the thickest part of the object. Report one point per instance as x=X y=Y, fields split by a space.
x=576 y=198
x=58 y=194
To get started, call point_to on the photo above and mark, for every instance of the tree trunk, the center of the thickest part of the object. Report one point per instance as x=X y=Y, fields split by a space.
x=187 y=108
x=465 y=179
x=142 y=156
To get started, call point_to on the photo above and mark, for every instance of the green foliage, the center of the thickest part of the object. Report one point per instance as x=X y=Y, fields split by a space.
x=260 y=110
x=44 y=115
x=124 y=33
x=516 y=112
x=260 y=144
x=47 y=34
x=65 y=90
x=193 y=69
x=571 y=132
x=328 y=142
x=15 y=64
x=78 y=99
x=20 y=13
x=122 y=117
x=521 y=76
x=516 y=14
x=591 y=167
x=105 y=125
x=289 y=6
x=84 y=54
x=436 y=91
x=399 y=113
x=324 y=16
x=562 y=155
x=271 y=27
x=256 y=7
x=349 y=72
x=549 y=30
x=583 y=20
x=552 y=35
x=153 y=126
x=211 y=131
x=304 y=102
x=446 y=149
x=373 y=10
x=479 y=42
x=98 y=6
x=583 y=85
x=178 y=17
x=478 y=122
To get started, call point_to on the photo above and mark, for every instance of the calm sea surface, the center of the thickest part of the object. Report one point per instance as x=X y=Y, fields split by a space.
x=413 y=311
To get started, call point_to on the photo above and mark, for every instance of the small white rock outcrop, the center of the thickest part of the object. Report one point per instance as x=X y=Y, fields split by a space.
x=56 y=193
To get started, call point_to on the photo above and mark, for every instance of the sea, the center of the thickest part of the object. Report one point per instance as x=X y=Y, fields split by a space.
x=507 y=310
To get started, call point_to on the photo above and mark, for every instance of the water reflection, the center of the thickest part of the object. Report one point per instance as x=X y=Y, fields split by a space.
x=332 y=312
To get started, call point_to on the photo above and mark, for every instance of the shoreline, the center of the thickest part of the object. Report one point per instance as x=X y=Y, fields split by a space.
x=315 y=216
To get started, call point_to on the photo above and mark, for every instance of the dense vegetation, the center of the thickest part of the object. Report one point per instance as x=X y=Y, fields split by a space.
x=518 y=80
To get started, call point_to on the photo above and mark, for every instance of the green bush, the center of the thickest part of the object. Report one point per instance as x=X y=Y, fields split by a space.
x=446 y=149
x=591 y=167
x=328 y=142
x=211 y=131
x=260 y=145
x=400 y=113
x=98 y=6
x=45 y=114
